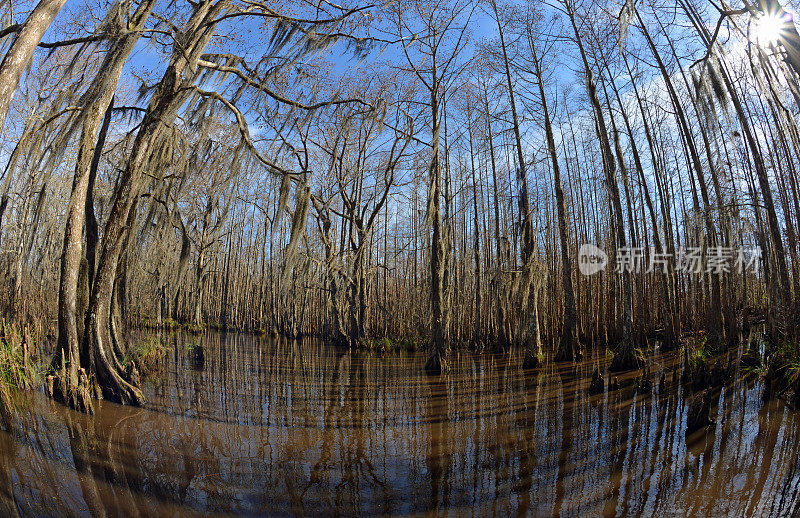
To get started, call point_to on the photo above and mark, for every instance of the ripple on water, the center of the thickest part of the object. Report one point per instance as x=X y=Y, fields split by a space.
x=279 y=427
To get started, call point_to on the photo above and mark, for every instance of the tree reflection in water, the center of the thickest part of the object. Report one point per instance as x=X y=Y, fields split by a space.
x=285 y=427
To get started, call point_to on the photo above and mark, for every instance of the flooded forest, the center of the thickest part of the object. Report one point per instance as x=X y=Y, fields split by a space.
x=409 y=257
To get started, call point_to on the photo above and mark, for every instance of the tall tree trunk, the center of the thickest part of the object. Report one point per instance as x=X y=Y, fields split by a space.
x=714 y=317
x=569 y=347
x=168 y=96
x=20 y=54
x=437 y=363
x=95 y=119
x=671 y=321
x=782 y=285
x=625 y=356
x=501 y=334
x=477 y=338
x=530 y=277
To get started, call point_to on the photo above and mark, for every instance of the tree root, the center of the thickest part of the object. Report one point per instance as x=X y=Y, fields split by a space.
x=116 y=389
x=76 y=394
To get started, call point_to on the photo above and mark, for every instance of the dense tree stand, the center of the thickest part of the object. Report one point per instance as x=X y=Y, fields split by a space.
x=437 y=196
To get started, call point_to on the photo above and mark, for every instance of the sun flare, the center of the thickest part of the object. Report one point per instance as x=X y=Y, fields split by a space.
x=769 y=29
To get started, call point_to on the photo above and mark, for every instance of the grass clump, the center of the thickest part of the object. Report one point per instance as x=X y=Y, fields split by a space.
x=149 y=356
x=781 y=370
x=376 y=344
x=145 y=321
x=387 y=345
x=702 y=368
x=170 y=324
x=17 y=369
x=195 y=329
x=699 y=355
x=533 y=360
x=411 y=344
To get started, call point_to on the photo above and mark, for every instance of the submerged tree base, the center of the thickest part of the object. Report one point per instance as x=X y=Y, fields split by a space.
x=533 y=360
x=76 y=394
x=625 y=359
x=569 y=353
x=122 y=391
x=436 y=365
x=597 y=385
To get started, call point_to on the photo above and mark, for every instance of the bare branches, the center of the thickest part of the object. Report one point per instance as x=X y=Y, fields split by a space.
x=244 y=131
x=11 y=29
x=260 y=9
x=260 y=85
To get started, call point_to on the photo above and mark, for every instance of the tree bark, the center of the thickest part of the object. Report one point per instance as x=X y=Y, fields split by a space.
x=437 y=362
x=95 y=119
x=169 y=95
x=569 y=348
x=20 y=54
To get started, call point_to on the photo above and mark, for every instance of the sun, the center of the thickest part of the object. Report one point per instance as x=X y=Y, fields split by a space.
x=769 y=29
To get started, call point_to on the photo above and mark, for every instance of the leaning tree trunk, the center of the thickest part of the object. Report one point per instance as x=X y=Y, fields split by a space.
x=714 y=317
x=671 y=320
x=19 y=56
x=169 y=95
x=95 y=118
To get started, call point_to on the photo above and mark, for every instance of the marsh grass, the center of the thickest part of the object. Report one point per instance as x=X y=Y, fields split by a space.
x=148 y=355
x=18 y=371
x=698 y=354
x=387 y=345
x=780 y=367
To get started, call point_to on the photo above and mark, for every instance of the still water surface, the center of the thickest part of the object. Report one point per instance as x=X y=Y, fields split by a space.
x=289 y=428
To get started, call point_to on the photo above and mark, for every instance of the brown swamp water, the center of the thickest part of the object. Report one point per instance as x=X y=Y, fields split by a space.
x=288 y=428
